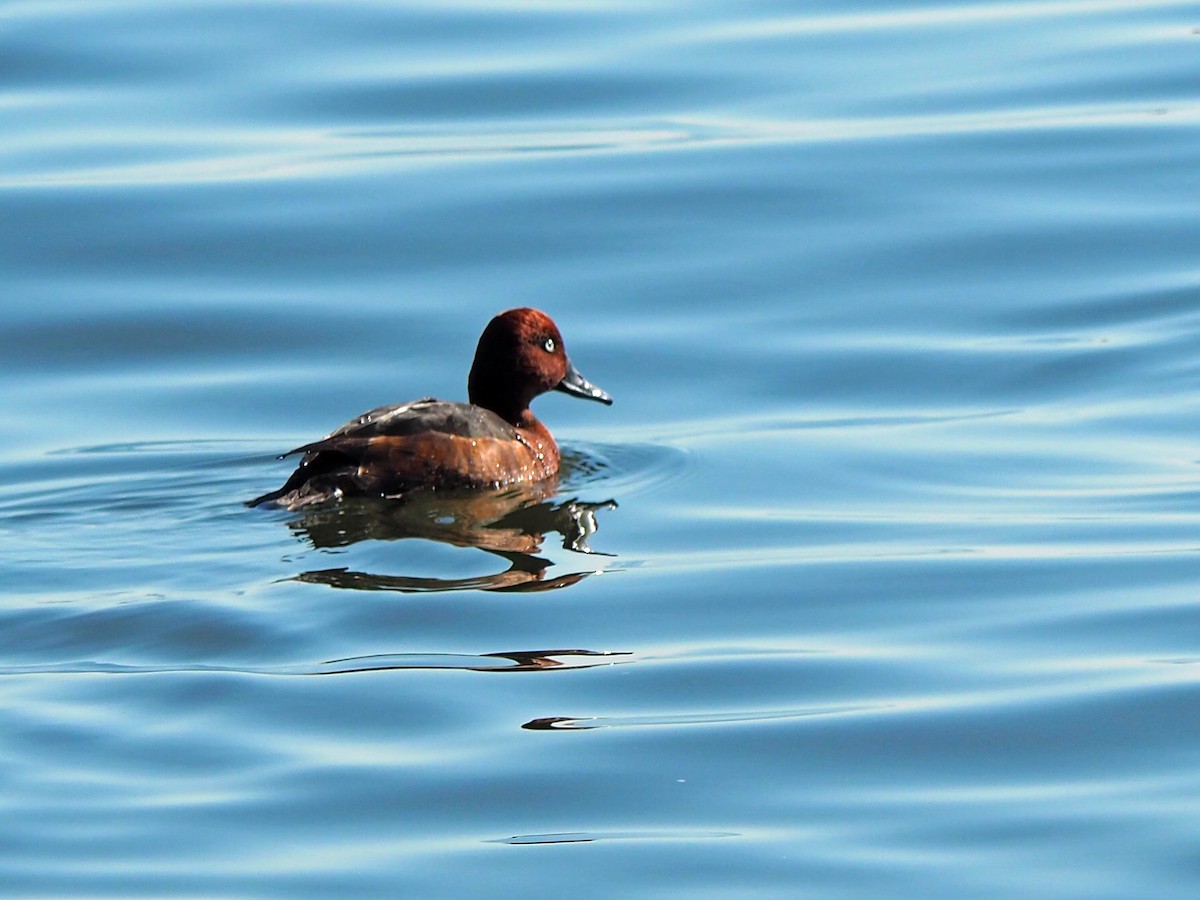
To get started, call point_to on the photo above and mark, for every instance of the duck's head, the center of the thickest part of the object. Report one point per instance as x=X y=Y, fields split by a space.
x=521 y=355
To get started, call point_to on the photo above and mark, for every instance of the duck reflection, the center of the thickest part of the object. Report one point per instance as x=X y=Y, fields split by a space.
x=509 y=523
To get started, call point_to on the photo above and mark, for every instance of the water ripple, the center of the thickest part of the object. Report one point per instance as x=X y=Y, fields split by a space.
x=589 y=837
x=289 y=155
x=555 y=723
x=510 y=661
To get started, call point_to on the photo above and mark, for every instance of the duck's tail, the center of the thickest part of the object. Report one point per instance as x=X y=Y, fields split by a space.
x=317 y=478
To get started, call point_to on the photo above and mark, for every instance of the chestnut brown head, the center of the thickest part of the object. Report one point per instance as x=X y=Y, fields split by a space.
x=521 y=355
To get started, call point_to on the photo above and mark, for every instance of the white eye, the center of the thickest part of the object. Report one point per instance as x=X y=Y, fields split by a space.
x=549 y=345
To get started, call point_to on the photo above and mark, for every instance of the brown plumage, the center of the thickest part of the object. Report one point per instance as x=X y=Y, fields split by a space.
x=492 y=441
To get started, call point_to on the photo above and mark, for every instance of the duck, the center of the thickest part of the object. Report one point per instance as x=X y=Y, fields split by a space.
x=492 y=441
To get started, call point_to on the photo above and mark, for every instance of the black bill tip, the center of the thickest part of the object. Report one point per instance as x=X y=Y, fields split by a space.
x=578 y=386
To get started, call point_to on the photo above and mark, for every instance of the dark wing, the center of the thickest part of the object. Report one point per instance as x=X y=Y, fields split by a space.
x=410 y=419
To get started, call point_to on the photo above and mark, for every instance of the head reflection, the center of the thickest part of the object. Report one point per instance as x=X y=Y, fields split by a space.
x=509 y=523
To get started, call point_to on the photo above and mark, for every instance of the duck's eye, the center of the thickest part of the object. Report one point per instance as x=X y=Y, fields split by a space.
x=549 y=346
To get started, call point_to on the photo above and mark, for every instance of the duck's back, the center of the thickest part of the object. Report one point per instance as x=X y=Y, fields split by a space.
x=426 y=443
x=418 y=417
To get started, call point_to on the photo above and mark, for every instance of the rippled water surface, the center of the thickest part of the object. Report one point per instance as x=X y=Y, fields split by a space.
x=895 y=576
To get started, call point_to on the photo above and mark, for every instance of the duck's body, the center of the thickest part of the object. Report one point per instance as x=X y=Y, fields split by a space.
x=492 y=441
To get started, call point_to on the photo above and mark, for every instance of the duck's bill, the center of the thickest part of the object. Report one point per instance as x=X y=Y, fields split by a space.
x=578 y=386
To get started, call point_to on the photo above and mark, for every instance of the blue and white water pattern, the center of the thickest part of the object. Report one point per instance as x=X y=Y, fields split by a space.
x=894 y=582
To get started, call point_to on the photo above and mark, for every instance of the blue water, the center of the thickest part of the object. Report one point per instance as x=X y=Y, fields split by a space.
x=895 y=589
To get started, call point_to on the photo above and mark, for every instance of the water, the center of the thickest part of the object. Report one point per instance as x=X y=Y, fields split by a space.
x=896 y=594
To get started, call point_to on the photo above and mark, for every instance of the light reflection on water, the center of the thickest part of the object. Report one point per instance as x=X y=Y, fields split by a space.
x=893 y=572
